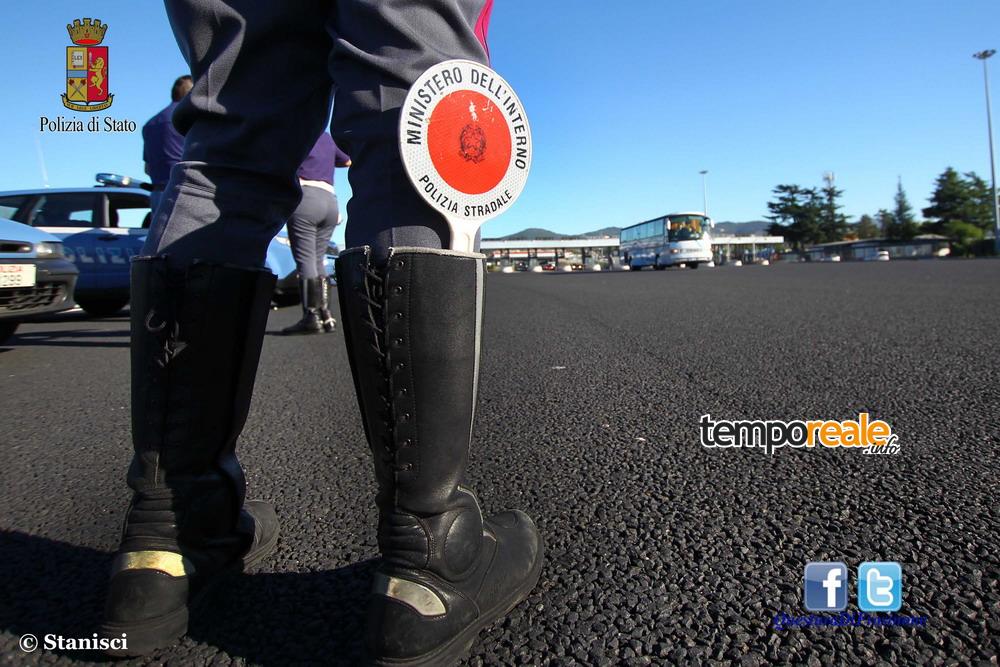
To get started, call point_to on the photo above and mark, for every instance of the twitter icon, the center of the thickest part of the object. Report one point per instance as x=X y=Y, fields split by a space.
x=880 y=586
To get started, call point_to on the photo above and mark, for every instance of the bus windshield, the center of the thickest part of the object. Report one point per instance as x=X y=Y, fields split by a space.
x=686 y=227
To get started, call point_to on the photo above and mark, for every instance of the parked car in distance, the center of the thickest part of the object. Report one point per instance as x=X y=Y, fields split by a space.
x=548 y=266
x=35 y=276
x=104 y=226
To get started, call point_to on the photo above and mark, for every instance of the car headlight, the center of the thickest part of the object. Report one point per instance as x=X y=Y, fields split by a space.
x=49 y=249
x=674 y=251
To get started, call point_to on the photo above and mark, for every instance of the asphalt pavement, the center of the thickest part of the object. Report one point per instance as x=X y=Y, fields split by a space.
x=660 y=551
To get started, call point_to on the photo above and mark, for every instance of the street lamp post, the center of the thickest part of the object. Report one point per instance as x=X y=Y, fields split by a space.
x=704 y=189
x=984 y=55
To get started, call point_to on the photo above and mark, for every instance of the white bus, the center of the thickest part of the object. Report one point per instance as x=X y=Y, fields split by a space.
x=674 y=239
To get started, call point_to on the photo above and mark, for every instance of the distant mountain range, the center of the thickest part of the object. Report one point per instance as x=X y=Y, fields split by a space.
x=741 y=228
x=721 y=229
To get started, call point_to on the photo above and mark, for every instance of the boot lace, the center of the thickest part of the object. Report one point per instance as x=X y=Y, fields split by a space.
x=373 y=293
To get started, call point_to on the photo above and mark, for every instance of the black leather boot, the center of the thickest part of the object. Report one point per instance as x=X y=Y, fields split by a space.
x=196 y=340
x=325 y=316
x=413 y=329
x=311 y=290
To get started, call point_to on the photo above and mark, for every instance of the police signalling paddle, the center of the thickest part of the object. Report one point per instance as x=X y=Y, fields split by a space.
x=466 y=145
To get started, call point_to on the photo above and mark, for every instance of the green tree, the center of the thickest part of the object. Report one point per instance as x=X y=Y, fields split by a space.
x=959 y=199
x=905 y=225
x=886 y=221
x=832 y=223
x=963 y=235
x=795 y=214
x=980 y=207
x=948 y=201
x=866 y=228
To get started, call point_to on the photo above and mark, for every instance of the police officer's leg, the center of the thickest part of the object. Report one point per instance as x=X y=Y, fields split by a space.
x=303 y=230
x=324 y=231
x=323 y=235
x=412 y=317
x=154 y=199
x=200 y=300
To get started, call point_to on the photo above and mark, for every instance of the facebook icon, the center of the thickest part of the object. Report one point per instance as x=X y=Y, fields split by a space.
x=826 y=587
x=880 y=587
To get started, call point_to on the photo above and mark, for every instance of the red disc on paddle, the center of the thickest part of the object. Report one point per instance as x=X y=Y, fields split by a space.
x=469 y=142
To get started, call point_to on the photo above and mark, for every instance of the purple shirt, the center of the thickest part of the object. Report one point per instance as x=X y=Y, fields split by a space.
x=323 y=157
x=162 y=145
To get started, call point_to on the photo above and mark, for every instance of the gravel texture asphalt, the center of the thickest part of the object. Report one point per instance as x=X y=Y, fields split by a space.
x=660 y=551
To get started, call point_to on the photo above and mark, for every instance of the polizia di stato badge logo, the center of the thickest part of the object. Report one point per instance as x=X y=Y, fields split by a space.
x=87 y=67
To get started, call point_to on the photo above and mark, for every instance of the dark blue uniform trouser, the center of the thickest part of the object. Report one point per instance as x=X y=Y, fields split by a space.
x=264 y=74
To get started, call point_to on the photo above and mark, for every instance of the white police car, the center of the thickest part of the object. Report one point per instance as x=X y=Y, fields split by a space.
x=35 y=277
x=103 y=227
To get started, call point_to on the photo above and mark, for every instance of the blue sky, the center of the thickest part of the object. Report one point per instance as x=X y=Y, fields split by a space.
x=627 y=101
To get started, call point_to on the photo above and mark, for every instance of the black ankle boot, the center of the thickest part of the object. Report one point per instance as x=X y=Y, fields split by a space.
x=196 y=339
x=413 y=329
x=325 y=316
x=310 y=322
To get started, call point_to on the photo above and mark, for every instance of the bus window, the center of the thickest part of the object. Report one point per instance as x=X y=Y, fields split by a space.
x=686 y=227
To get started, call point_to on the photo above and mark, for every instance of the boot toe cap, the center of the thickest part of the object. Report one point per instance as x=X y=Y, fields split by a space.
x=519 y=544
x=138 y=595
x=265 y=531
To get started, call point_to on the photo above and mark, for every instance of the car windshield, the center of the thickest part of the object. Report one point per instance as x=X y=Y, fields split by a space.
x=64 y=209
x=9 y=206
x=686 y=227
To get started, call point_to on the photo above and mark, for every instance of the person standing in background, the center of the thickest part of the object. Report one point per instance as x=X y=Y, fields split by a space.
x=162 y=144
x=310 y=229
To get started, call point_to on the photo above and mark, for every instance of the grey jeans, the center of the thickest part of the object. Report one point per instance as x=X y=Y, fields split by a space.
x=264 y=75
x=310 y=229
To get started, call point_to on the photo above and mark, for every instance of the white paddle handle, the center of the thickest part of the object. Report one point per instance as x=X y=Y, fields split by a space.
x=462 y=237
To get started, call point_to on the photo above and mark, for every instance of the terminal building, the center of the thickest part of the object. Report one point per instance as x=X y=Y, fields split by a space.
x=588 y=253
x=919 y=247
